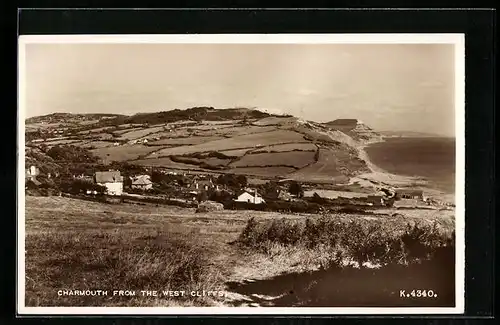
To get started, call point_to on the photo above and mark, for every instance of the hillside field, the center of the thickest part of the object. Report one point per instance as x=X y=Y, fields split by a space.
x=123 y=153
x=295 y=159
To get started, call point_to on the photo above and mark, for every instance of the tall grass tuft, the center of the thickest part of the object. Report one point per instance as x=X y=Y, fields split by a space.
x=103 y=260
x=376 y=241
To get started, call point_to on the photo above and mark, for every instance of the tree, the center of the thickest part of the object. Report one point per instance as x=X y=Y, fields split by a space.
x=202 y=196
x=220 y=196
x=79 y=186
x=242 y=180
x=127 y=182
x=271 y=189
x=232 y=180
x=156 y=177
x=296 y=189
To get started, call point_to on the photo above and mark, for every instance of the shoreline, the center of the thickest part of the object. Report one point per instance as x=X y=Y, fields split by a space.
x=380 y=177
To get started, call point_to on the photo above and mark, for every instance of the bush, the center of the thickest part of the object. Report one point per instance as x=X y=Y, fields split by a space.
x=208 y=206
x=362 y=241
x=421 y=240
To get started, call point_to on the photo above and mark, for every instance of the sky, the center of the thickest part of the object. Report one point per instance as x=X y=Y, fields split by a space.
x=390 y=87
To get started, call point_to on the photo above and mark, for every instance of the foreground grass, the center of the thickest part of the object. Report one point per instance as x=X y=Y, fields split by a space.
x=102 y=260
x=81 y=245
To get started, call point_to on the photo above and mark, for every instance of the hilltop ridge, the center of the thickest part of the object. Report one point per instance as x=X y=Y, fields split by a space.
x=247 y=141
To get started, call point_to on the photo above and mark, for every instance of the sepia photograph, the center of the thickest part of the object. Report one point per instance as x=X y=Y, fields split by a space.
x=228 y=174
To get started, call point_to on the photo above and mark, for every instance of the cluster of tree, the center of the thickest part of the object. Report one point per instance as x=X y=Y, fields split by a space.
x=223 y=197
x=210 y=154
x=71 y=154
x=78 y=186
x=194 y=114
x=232 y=180
x=166 y=180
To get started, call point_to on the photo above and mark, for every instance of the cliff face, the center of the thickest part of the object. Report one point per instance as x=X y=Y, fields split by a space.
x=354 y=128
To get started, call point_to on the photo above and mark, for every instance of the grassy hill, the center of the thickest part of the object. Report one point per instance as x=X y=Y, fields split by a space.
x=234 y=140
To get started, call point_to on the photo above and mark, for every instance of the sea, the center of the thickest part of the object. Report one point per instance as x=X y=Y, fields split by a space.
x=432 y=158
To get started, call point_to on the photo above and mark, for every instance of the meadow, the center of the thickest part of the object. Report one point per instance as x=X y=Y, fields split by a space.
x=140 y=133
x=123 y=153
x=237 y=142
x=295 y=159
x=74 y=244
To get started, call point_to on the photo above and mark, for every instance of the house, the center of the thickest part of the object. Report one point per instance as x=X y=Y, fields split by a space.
x=33 y=171
x=285 y=196
x=404 y=193
x=30 y=177
x=83 y=177
x=203 y=184
x=250 y=197
x=142 y=182
x=112 y=180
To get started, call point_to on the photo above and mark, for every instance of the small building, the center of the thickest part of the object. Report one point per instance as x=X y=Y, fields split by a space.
x=250 y=197
x=84 y=177
x=203 y=184
x=285 y=196
x=30 y=177
x=112 y=180
x=142 y=182
x=414 y=194
x=33 y=171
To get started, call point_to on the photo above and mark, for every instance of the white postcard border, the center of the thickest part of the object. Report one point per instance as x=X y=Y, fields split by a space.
x=457 y=39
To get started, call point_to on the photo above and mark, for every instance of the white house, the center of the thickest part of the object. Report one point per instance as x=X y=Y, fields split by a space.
x=33 y=171
x=112 y=180
x=254 y=198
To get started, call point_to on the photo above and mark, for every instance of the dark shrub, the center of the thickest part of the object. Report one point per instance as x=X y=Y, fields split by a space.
x=296 y=189
x=419 y=240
